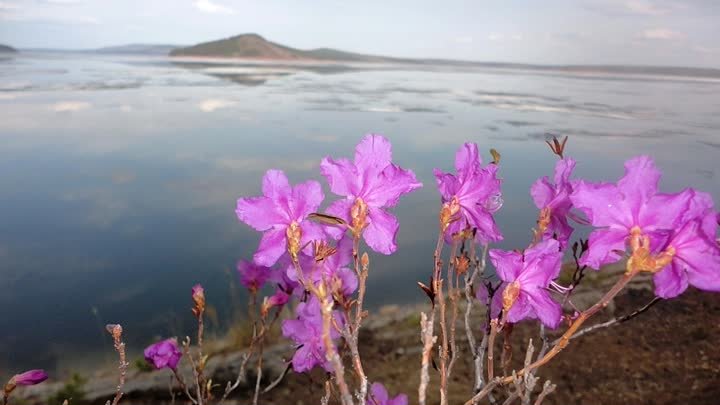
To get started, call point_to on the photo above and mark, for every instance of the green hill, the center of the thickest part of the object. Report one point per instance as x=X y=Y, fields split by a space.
x=253 y=46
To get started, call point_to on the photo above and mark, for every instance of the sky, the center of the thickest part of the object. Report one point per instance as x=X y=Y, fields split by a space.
x=632 y=32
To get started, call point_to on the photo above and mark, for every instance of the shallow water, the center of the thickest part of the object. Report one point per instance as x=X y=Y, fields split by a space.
x=120 y=175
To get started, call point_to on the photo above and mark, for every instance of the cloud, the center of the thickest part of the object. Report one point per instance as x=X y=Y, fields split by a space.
x=210 y=7
x=662 y=34
x=70 y=106
x=213 y=104
x=644 y=7
x=464 y=40
x=7 y=6
x=495 y=37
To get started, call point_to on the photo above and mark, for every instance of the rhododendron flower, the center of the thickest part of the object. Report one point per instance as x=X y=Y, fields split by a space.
x=281 y=214
x=253 y=276
x=163 y=354
x=369 y=184
x=696 y=255
x=30 y=377
x=379 y=396
x=526 y=277
x=554 y=203
x=306 y=331
x=333 y=269
x=473 y=195
x=632 y=206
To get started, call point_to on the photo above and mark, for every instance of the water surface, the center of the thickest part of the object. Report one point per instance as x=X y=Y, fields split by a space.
x=119 y=175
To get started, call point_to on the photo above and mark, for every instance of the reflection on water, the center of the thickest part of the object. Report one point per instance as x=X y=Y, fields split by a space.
x=120 y=175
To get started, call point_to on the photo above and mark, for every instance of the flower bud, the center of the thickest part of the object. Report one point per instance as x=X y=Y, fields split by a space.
x=30 y=377
x=198 y=297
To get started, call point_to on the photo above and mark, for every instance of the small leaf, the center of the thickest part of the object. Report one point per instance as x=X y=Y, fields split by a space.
x=327 y=219
x=428 y=290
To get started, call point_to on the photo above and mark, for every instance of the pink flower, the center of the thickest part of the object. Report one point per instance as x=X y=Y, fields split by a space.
x=526 y=277
x=281 y=213
x=379 y=396
x=163 y=354
x=253 y=276
x=631 y=206
x=306 y=331
x=31 y=377
x=554 y=202
x=474 y=192
x=696 y=255
x=369 y=184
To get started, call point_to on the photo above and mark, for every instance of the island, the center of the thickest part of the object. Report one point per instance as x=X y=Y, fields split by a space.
x=7 y=49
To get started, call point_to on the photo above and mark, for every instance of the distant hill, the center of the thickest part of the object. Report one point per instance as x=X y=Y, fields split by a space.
x=253 y=46
x=7 y=49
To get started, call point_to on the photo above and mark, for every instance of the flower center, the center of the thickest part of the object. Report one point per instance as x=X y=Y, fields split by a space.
x=358 y=215
x=641 y=258
x=510 y=295
x=293 y=233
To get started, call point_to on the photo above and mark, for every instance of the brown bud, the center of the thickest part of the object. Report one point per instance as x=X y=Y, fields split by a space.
x=462 y=263
x=365 y=261
x=496 y=156
x=449 y=213
x=198 y=297
x=556 y=146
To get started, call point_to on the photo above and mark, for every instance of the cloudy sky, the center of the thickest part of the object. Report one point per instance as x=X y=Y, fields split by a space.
x=657 y=32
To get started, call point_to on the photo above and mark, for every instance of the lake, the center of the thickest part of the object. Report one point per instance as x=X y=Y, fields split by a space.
x=119 y=174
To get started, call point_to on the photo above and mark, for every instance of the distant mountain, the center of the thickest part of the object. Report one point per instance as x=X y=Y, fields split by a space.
x=137 y=49
x=253 y=46
x=7 y=49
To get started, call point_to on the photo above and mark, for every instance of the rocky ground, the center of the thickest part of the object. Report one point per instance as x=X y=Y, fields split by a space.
x=667 y=355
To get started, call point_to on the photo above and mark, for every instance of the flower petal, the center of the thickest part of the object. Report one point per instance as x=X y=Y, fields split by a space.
x=541 y=264
x=260 y=213
x=467 y=160
x=272 y=245
x=542 y=192
x=379 y=393
x=602 y=203
x=547 y=309
x=508 y=264
x=670 y=281
x=341 y=175
x=306 y=199
x=447 y=184
x=665 y=211
x=521 y=309
x=639 y=183
x=374 y=151
x=484 y=222
x=380 y=234
x=602 y=246
x=392 y=183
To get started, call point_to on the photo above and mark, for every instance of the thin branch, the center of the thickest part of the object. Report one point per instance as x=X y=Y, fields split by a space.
x=614 y=321
x=548 y=388
x=278 y=380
